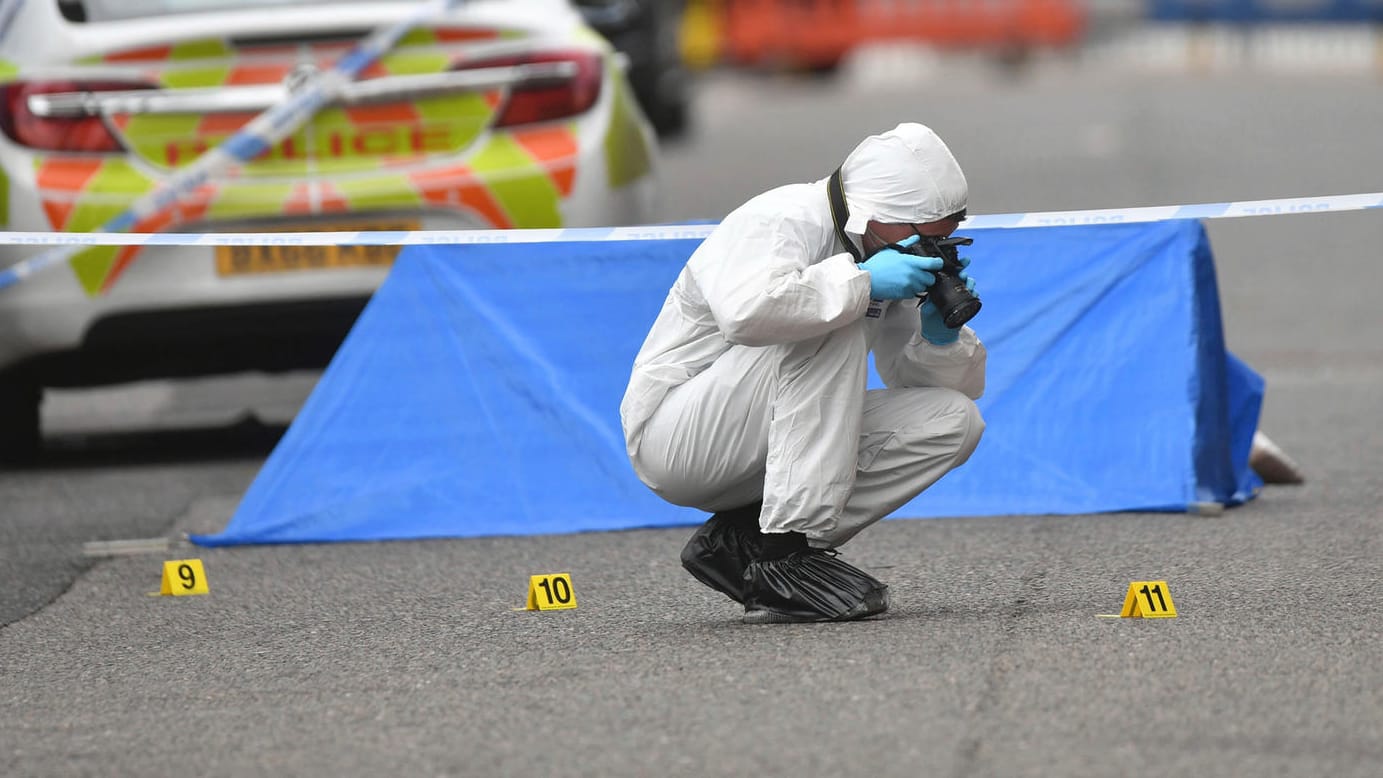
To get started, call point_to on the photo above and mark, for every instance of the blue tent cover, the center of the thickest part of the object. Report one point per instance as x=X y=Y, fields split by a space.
x=478 y=393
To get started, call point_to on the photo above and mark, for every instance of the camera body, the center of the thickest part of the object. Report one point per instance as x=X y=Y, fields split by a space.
x=949 y=294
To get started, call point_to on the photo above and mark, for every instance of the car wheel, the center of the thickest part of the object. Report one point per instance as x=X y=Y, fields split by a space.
x=667 y=114
x=657 y=74
x=20 y=436
x=823 y=68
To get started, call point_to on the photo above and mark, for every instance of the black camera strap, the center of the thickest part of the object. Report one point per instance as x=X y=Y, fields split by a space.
x=840 y=213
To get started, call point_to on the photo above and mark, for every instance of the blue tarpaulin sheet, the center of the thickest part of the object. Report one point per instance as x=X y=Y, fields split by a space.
x=478 y=393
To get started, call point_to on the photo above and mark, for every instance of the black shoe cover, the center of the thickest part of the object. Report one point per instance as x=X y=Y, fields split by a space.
x=810 y=585
x=720 y=550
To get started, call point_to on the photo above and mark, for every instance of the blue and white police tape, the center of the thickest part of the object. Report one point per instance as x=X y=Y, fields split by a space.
x=1295 y=205
x=266 y=129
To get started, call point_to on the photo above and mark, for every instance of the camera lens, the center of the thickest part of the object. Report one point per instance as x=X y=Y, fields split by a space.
x=962 y=312
x=955 y=302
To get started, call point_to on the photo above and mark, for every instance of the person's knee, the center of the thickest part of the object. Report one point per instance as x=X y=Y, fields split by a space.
x=969 y=426
x=953 y=419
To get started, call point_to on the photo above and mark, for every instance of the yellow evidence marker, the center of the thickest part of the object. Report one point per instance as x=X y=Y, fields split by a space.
x=550 y=592
x=1148 y=600
x=182 y=577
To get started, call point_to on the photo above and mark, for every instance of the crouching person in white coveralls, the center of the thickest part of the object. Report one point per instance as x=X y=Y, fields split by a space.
x=748 y=398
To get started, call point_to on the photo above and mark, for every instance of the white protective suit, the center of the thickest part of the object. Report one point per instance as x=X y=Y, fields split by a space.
x=752 y=382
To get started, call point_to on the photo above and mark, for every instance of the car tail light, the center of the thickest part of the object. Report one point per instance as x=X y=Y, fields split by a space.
x=56 y=133
x=544 y=101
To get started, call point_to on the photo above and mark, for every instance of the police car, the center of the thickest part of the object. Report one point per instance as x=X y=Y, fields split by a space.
x=491 y=114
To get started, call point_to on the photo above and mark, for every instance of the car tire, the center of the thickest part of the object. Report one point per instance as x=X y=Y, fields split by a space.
x=667 y=114
x=669 y=98
x=657 y=74
x=824 y=68
x=21 y=439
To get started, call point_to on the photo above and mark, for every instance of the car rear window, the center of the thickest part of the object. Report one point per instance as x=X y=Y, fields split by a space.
x=92 y=11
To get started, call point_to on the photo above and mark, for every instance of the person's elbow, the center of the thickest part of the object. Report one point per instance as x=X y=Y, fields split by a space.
x=752 y=318
x=748 y=331
x=974 y=387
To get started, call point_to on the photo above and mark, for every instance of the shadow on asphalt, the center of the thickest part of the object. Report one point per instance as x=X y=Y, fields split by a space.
x=245 y=438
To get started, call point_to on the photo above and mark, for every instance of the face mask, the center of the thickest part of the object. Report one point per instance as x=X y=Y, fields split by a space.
x=920 y=248
x=882 y=243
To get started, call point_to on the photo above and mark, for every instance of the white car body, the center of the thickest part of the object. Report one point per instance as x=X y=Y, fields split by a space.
x=437 y=159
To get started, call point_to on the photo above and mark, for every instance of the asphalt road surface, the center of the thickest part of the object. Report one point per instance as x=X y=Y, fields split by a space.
x=411 y=658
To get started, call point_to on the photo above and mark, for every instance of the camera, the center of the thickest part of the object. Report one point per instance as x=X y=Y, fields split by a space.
x=949 y=294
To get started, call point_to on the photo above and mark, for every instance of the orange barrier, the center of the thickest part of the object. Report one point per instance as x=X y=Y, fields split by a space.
x=818 y=33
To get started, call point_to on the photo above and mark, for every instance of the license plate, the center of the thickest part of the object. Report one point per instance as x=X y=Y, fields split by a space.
x=247 y=260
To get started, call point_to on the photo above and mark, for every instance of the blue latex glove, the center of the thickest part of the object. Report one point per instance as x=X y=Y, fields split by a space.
x=934 y=328
x=894 y=275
